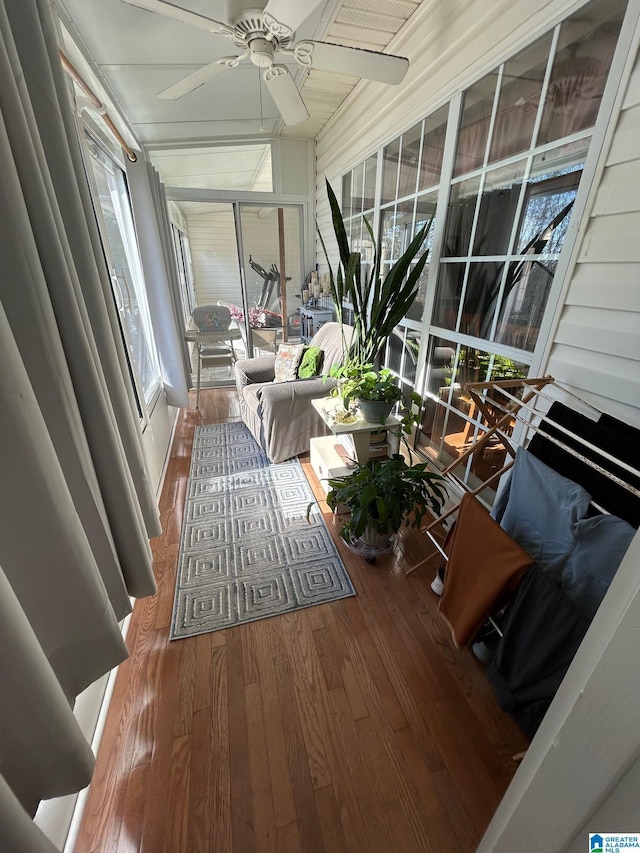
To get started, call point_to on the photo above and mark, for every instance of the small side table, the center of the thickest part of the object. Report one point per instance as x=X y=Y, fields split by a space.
x=360 y=430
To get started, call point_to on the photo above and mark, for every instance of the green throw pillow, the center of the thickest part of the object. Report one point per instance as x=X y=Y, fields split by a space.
x=310 y=362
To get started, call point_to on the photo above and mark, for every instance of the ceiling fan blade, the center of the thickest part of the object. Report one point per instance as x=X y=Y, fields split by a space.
x=383 y=67
x=177 y=13
x=291 y=13
x=285 y=94
x=195 y=80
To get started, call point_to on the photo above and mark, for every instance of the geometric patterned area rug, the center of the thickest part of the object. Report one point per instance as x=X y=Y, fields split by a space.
x=247 y=551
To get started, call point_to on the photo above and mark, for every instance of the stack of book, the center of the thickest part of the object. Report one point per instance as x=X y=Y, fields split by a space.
x=378 y=444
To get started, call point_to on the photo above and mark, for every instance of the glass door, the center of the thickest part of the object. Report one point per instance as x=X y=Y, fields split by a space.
x=239 y=256
x=208 y=236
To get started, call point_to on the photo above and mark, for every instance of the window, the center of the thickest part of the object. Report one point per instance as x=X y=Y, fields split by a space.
x=121 y=250
x=185 y=271
x=358 y=201
x=243 y=166
x=510 y=181
x=411 y=167
x=450 y=420
x=504 y=232
x=359 y=188
x=523 y=136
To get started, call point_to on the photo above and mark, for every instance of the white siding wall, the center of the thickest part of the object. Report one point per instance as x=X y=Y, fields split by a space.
x=596 y=346
x=212 y=238
x=260 y=239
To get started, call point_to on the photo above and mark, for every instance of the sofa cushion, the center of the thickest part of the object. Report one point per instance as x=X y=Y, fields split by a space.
x=329 y=339
x=287 y=361
x=310 y=363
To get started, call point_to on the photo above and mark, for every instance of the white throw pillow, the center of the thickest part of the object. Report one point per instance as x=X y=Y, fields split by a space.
x=287 y=361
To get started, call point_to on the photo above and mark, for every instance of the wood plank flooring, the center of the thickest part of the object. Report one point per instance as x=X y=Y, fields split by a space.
x=350 y=727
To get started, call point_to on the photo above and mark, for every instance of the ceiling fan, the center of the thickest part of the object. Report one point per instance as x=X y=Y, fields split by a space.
x=264 y=29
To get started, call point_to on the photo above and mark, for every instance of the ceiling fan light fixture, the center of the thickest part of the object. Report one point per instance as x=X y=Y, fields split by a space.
x=261 y=52
x=281 y=31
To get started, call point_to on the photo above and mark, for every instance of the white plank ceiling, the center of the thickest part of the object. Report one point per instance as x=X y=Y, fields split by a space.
x=135 y=54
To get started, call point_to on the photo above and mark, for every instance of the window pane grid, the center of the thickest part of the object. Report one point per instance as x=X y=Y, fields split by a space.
x=346 y=194
x=450 y=420
x=390 y=159
x=517 y=140
x=357 y=190
x=473 y=132
x=410 y=162
x=522 y=91
x=432 y=150
x=403 y=210
x=494 y=290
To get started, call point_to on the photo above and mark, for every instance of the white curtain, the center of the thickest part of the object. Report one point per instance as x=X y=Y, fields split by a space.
x=19 y=833
x=77 y=509
x=156 y=249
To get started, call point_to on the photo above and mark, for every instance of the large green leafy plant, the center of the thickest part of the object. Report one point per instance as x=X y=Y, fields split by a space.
x=385 y=493
x=378 y=304
x=361 y=381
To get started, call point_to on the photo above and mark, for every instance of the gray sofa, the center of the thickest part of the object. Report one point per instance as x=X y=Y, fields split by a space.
x=280 y=415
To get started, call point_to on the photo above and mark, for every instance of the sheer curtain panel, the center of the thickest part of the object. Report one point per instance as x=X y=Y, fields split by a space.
x=156 y=249
x=77 y=507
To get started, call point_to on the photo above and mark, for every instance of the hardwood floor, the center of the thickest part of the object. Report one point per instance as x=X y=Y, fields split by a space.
x=351 y=726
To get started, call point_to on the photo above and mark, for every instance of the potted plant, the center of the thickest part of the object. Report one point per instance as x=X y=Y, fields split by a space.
x=380 y=496
x=376 y=391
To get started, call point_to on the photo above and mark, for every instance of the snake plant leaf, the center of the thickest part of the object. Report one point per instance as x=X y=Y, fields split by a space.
x=379 y=303
x=338 y=225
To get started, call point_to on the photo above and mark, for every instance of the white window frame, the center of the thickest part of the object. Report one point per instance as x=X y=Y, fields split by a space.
x=145 y=401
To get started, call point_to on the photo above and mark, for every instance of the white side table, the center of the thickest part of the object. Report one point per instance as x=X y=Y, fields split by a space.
x=360 y=430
